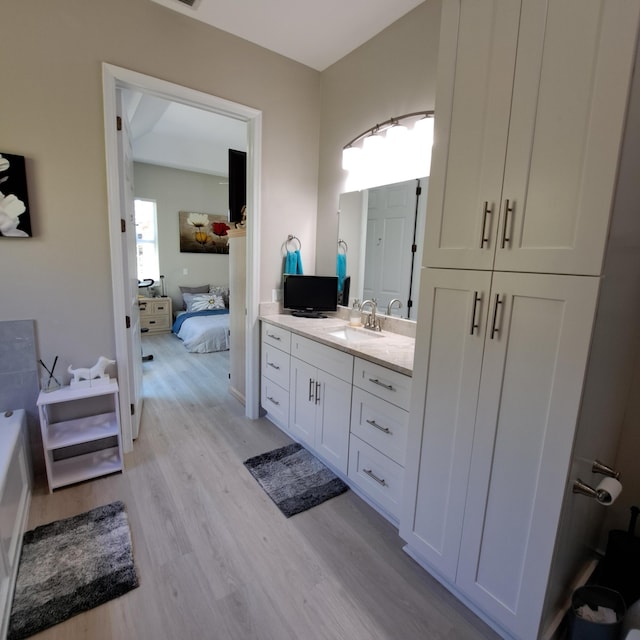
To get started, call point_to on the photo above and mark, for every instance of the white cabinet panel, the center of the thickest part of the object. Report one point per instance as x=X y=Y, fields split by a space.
x=448 y=366
x=275 y=365
x=332 y=421
x=535 y=357
x=302 y=401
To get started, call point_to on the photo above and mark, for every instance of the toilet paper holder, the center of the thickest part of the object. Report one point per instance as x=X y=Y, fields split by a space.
x=600 y=495
x=605 y=470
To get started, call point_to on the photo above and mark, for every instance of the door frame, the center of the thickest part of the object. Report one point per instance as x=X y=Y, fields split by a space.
x=114 y=78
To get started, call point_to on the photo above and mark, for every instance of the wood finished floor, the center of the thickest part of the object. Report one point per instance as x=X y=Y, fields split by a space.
x=217 y=560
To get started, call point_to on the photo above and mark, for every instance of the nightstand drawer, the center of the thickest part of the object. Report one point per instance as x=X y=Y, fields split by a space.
x=155 y=323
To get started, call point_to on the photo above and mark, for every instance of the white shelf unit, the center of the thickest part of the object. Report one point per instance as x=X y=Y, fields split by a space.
x=87 y=430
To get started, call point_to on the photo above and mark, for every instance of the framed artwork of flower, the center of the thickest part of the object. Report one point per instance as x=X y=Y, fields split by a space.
x=14 y=202
x=203 y=232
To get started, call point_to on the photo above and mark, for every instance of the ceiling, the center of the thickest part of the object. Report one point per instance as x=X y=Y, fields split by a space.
x=314 y=33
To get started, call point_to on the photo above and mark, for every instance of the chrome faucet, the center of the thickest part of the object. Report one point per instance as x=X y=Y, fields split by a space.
x=391 y=303
x=371 y=321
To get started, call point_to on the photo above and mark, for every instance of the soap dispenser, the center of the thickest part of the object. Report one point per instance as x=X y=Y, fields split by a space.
x=355 y=315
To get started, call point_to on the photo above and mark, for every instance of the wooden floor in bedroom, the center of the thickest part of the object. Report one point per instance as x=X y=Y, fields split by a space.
x=217 y=560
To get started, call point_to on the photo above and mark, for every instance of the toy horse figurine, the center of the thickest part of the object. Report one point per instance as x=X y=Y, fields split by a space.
x=92 y=373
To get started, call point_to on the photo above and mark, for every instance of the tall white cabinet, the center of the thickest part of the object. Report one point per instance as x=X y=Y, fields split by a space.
x=531 y=201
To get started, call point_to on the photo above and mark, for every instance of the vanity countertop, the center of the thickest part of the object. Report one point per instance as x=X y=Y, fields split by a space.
x=390 y=350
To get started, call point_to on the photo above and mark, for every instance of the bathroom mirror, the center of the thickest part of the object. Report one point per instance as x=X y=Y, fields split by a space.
x=377 y=230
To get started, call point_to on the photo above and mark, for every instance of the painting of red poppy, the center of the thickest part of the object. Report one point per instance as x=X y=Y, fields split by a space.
x=203 y=232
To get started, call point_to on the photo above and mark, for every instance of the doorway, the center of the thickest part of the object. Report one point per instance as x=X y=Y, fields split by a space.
x=115 y=78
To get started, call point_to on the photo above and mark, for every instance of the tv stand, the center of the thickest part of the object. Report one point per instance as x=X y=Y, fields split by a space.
x=308 y=314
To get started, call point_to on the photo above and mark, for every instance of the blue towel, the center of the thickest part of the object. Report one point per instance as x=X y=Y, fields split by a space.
x=293 y=263
x=341 y=270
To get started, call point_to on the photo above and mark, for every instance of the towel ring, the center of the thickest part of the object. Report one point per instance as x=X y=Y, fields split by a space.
x=291 y=238
x=344 y=246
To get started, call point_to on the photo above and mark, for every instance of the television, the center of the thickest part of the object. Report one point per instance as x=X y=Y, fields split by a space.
x=309 y=296
x=237 y=184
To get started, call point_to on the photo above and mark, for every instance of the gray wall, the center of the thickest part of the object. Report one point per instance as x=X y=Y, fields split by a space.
x=52 y=113
x=175 y=190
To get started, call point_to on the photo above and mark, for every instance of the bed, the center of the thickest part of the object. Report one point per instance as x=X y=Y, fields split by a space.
x=204 y=326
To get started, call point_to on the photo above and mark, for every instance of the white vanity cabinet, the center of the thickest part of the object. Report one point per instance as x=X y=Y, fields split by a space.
x=503 y=370
x=274 y=380
x=320 y=399
x=531 y=100
x=379 y=424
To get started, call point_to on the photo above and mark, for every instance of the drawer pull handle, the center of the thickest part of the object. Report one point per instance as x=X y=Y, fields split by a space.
x=494 y=325
x=270 y=335
x=270 y=399
x=474 y=325
x=311 y=389
x=380 y=481
x=373 y=423
x=317 y=393
x=382 y=384
x=275 y=366
x=152 y=321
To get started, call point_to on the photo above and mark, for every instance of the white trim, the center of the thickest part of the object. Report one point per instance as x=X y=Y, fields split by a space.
x=113 y=78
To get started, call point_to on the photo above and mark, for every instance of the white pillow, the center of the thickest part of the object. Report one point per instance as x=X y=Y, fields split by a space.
x=203 y=301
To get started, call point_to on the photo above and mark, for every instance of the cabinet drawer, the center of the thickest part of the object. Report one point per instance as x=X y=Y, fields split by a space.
x=337 y=363
x=382 y=382
x=276 y=337
x=155 y=323
x=380 y=424
x=376 y=475
x=275 y=401
x=275 y=365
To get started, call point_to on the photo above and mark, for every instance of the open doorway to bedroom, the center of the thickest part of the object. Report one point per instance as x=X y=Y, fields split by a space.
x=145 y=106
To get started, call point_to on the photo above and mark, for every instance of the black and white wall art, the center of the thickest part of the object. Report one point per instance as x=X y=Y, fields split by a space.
x=14 y=202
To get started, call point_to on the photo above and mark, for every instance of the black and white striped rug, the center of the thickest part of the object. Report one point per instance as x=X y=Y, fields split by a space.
x=294 y=479
x=70 y=566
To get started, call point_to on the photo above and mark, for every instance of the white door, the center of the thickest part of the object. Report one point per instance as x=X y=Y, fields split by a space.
x=302 y=401
x=130 y=269
x=570 y=94
x=473 y=97
x=391 y=217
x=453 y=317
x=332 y=420
x=535 y=356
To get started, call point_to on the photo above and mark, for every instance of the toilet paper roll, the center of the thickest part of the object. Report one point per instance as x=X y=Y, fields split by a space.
x=608 y=491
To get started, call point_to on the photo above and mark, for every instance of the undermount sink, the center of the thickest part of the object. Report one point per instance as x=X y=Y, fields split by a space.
x=353 y=336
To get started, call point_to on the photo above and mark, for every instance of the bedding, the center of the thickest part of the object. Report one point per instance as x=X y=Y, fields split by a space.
x=203 y=331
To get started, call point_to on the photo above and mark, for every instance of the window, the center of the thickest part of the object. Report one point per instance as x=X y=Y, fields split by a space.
x=147 y=239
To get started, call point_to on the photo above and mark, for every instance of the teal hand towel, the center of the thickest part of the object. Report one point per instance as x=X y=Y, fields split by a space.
x=293 y=263
x=341 y=270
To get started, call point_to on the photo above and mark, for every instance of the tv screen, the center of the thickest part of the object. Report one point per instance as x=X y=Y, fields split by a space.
x=308 y=296
x=237 y=184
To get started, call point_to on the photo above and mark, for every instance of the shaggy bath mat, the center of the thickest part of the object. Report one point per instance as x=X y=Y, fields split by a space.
x=294 y=479
x=70 y=566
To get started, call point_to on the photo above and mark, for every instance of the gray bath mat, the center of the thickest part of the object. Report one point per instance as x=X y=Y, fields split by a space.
x=294 y=479
x=70 y=566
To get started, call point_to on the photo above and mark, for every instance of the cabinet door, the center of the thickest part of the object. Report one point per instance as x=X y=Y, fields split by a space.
x=332 y=420
x=453 y=318
x=533 y=368
x=476 y=60
x=302 y=401
x=571 y=82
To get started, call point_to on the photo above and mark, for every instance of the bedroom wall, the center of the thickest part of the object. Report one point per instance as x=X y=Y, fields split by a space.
x=175 y=190
x=52 y=113
x=392 y=74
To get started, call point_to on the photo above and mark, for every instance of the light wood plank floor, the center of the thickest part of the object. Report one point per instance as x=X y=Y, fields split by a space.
x=215 y=557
